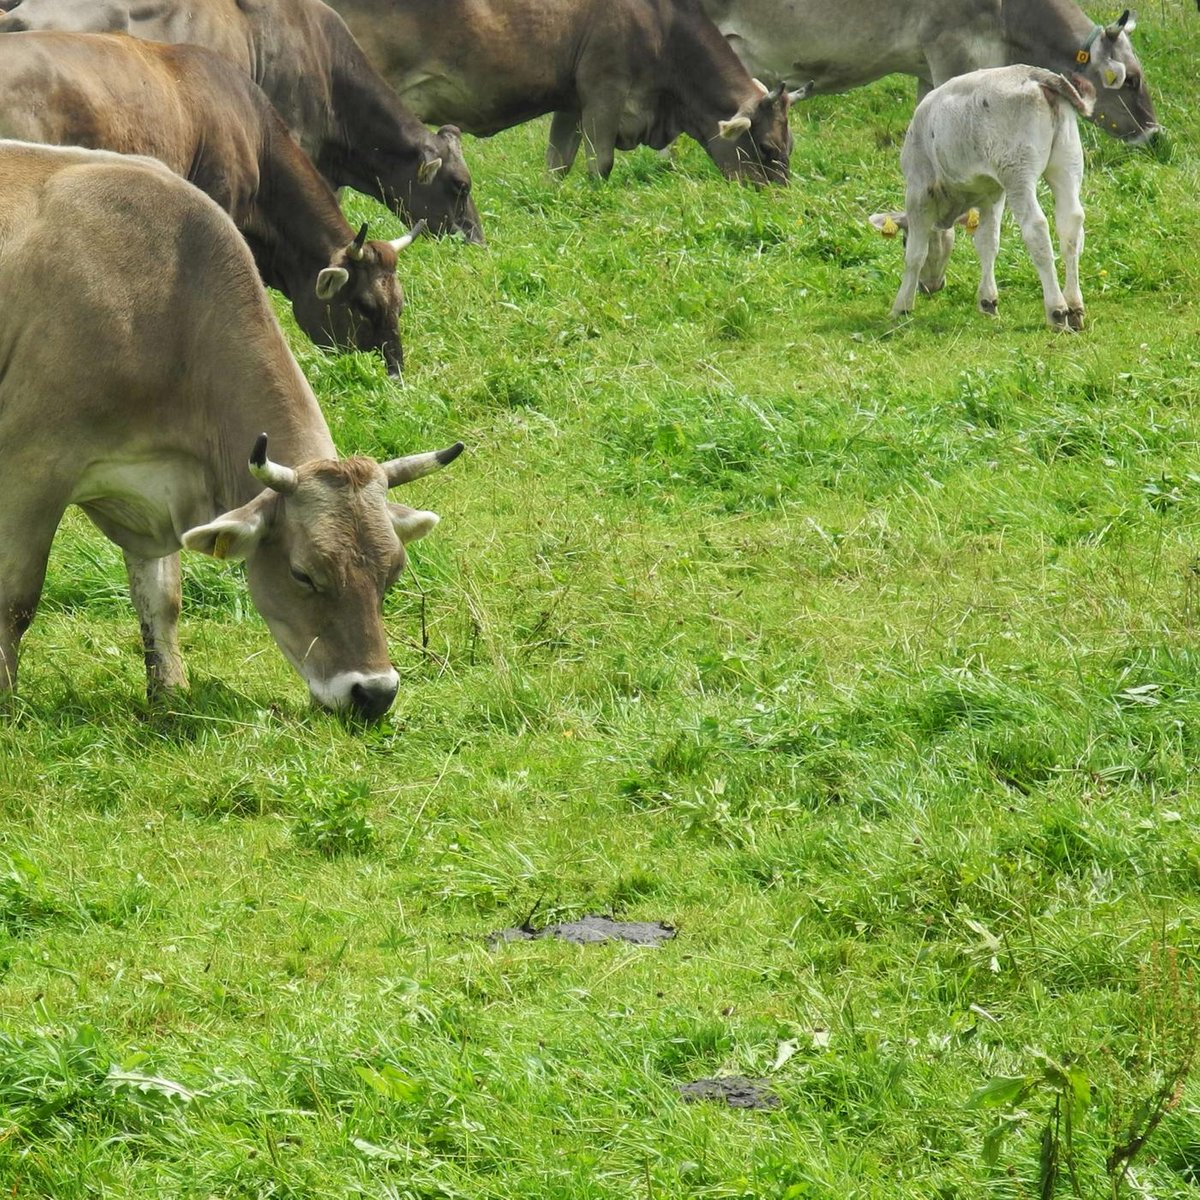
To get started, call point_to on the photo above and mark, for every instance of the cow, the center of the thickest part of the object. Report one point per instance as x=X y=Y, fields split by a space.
x=141 y=361
x=190 y=109
x=842 y=46
x=975 y=141
x=346 y=118
x=615 y=73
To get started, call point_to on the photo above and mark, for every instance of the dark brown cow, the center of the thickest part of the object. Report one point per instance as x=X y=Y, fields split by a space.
x=208 y=122
x=141 y=361
x=616 y=74
x=349 y=122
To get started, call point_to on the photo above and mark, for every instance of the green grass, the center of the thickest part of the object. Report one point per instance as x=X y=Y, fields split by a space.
x=865 y=654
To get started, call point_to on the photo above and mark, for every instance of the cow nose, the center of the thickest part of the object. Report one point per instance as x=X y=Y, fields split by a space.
x=371 y=698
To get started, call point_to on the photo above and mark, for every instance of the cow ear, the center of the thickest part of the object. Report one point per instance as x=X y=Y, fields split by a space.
x=233 y=535
x=889 y=224
x=412 y=524
x=331 y=281
x=1113 y=73
x=733 y=129
x=427 y=171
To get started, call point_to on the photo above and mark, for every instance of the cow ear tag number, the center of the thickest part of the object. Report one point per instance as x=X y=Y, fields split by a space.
x=1082 y=56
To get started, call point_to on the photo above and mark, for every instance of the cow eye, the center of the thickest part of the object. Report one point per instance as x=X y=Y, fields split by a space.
x=1132 y=82
x=303 y=580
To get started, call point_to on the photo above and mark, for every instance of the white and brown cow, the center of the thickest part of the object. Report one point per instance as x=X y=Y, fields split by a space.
x=141 y=361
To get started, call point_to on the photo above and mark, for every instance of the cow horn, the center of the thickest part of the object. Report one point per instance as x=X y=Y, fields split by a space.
x=355 y=249
x=402 y=243
x=802 y=93
x=401 y=470
x=276 y=477
x=1125 y=21
x=775 y=92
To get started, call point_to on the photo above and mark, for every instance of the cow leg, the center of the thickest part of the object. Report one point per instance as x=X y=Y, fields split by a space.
x=154 y=587
x=987 y=246
x=25 y=537
x=1068 y=219
x=1035 y=229
x=915 y=250
x=600 y=139
x=565 y=136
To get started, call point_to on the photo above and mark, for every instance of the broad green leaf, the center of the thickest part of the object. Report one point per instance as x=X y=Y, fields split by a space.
x=1004 y=1089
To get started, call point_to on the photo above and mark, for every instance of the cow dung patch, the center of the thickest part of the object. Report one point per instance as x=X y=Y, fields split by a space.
x=735 y=1090
x=591 y=929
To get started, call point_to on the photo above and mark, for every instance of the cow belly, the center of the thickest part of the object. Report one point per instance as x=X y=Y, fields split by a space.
x=139 y=504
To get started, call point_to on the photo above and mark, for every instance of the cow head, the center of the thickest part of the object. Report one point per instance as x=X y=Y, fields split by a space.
x=440 y=190
x=755 y=143
x=357 y=299
x=1123 y=105
x=322 y=544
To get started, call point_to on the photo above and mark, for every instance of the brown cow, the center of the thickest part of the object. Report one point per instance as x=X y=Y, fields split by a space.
x=347 y=119
x=211 y=124
x=616 y=74
x=141 y=360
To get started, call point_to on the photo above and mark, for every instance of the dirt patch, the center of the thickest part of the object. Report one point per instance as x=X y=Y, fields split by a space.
x=735 y=1090
x=590 y=929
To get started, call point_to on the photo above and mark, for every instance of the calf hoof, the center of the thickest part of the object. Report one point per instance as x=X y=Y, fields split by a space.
x=1075 y=318
x=991 y=307
x=1056 y=318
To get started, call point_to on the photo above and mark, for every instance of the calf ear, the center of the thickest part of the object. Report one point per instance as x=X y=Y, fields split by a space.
x=1113 y=73
x=331 y=281
x=234 y=535
x=889 y=224
x=733 y=129
x=411 y=524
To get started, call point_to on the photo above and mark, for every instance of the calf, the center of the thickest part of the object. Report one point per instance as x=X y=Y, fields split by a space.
x=141 y=360
x=975 y=141
x=209 y=123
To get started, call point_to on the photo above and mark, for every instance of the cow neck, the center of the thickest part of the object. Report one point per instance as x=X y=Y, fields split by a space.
x=1032 y=27
x=373 y=144
x=709 y=83
x=298 y=220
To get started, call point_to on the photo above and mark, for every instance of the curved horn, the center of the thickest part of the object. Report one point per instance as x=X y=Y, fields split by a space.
x=355 y=249
x=401 y=470
x=1124 y=21
x=775 y=92
x=402 y=243
x=277 y=478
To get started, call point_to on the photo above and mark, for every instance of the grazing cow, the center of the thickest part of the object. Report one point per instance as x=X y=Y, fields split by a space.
x=842 y=46
x=193 y=111
x=346 y=118
x=615 y=73
x=973 y=141
x=140 y=359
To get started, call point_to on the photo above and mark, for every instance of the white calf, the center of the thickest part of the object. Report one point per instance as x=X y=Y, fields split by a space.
x=974 y=140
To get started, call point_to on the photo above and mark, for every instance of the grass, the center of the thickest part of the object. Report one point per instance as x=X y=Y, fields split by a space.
x=865 y=654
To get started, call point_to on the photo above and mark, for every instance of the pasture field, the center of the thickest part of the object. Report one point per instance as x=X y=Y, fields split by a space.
x=867 y=655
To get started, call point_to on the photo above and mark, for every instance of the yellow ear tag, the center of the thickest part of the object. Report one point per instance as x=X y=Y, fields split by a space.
x=889 y=228
x=1110 y=76
x=222 y=544
x=972 y=222
x=1082 y=56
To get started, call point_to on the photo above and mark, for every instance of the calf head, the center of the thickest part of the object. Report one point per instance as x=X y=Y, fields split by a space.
x=322 y=544
x=440 y=191
x=1123 y=105
x=357 y=300
x=755 y=144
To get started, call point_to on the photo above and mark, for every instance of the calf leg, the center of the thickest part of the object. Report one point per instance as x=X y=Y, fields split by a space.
x=1068 y=219
x=987 y=246
x=1035 y=229
x=565 y=136
x=915 y=250
x=154 y=587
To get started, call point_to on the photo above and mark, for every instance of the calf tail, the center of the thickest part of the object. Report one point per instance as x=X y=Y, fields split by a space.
x=1076 y=91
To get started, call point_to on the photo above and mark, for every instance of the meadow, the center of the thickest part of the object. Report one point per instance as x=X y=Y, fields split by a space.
x=866 y=654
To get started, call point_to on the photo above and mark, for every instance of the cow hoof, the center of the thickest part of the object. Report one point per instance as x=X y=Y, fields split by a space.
x=990 y=307
x=1075 y=318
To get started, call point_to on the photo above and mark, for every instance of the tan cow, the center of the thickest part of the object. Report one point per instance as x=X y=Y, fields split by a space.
x=140 y=361
x=349 y=122
x=208 y=122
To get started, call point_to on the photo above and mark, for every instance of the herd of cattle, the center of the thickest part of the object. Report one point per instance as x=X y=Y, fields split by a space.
x=267 y=106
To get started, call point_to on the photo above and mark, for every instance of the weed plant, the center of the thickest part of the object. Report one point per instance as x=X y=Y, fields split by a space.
x=863 y=653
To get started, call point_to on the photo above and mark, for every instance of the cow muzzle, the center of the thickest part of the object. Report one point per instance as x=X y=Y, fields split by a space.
x=356 y=693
